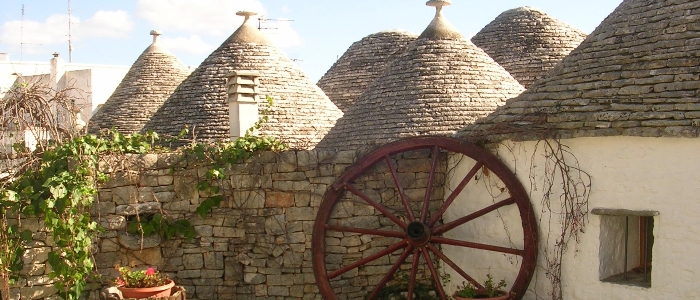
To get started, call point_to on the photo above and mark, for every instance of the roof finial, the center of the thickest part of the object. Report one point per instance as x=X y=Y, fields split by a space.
x=155 y=34
x=438 y=4
x=246 y=14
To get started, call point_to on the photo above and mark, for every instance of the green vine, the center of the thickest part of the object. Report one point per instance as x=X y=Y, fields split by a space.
x=60 y=187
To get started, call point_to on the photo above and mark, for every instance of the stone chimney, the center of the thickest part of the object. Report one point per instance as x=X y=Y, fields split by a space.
x=242 y=90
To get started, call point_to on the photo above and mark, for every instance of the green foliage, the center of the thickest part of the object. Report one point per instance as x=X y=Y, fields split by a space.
x=491 y=289
x=466 y=290
x=139 y=278
x=398 y=290
x=61 y=187
x=227 y=153
x=166 y=227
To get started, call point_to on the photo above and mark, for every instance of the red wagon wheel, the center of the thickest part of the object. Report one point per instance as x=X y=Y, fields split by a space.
x=412 y=229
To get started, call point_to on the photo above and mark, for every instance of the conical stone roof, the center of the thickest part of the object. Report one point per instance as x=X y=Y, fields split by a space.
x=439 y=84
x=527 y=42
x=151 y=80
x=361 y=64
x=301 y=114
x=635 y=75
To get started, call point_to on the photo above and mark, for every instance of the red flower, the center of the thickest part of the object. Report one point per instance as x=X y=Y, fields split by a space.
x=150 y=271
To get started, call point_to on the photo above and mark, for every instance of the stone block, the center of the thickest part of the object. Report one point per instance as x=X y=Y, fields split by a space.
x=112 y=222
x=109 y=245
x=301 y=214
x=229 y=232
x=193 y=261
x=150 y=256
x=136 y=242
x=33 y=269
x=38 y=292
x=278 y=291
x=204 y=230
x=254 y=278
x=138 y=208
x=36 y=255
x=165 y=197
x=279 y=200
x=189 y=274
x=209 y=274
x=148 y=180
x=275 y=224
x=214 y=260
x=164 y=180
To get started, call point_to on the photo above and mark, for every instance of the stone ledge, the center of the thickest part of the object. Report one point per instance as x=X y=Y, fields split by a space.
x=623 y=212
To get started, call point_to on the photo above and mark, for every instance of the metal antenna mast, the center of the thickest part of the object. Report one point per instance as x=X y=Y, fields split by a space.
x=70 y=41
x=262 y=20
x=21 y=36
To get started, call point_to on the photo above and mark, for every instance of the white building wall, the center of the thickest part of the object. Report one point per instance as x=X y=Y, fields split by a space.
x=101 y=80
x=660 y=174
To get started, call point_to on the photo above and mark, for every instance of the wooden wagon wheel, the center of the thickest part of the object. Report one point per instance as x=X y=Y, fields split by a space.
x=420 y=234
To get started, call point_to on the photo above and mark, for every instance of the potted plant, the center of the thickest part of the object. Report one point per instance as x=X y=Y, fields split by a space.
x=490 y=291
x=142 y=283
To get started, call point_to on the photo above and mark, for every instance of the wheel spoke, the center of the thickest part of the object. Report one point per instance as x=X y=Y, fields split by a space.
x=453 y=242
x=391 y=272
x=436 y=277
x=384 y=233
x=402 y=193
x=454 y=266
x=368 y=259
x=429 y=189
x=455 y=193
x=449 y=226
x=376 y=205
x=414 y=270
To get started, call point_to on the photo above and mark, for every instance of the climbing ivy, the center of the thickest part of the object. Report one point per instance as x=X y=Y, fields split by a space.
x=61 y=187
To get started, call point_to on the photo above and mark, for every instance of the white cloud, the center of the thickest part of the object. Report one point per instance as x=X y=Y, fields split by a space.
x=193 y=44
x=210 y=18
x=283 y=35
x=37 y=35
x=111 y=24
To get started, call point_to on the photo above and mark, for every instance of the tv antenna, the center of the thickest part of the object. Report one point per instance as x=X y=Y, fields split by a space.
x=262 y=20
x=21 y=37
x=70 y=40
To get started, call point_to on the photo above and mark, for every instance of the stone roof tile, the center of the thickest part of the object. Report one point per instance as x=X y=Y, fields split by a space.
x=635 y=75
x=361 y=64
x=150 y=81
x=527 y=42
x=301 y=114
x=439 y=84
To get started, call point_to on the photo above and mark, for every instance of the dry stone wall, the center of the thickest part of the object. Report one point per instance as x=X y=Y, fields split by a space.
x=256 y=245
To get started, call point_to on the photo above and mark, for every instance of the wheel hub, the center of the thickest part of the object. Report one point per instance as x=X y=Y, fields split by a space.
x=418 y=233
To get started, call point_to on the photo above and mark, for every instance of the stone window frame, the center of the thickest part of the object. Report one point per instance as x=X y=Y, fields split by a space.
x=626 y=244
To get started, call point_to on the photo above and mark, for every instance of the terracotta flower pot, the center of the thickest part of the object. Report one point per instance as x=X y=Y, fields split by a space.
x=138 y=293
x=504 y=296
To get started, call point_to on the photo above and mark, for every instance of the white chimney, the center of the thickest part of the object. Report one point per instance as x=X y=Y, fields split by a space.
x=58 y=68
x=4 y=57
x=242 y=90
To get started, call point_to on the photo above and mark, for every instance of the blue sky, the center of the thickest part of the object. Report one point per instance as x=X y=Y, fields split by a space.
x=116 y=32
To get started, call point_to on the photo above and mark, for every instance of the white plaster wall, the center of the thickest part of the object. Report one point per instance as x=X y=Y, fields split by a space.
x=661 y=174
x=103 y=80
x=25 y=68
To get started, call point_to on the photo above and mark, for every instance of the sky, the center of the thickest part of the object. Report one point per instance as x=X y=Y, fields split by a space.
x=314 y=33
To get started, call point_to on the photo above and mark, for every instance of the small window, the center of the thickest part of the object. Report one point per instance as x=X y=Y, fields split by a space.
x=626 y=242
